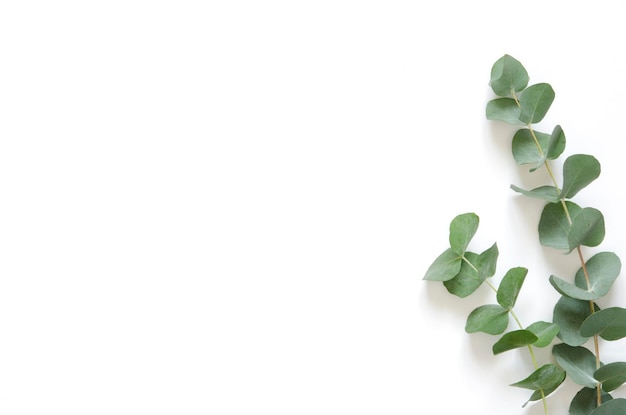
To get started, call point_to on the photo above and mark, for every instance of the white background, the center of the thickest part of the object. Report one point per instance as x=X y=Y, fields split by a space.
x=228 y=207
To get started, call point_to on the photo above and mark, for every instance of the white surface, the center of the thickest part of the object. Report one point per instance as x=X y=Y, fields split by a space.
x=228 y=207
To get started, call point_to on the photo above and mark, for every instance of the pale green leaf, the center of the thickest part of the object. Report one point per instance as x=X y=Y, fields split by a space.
x=503 y=109
x=554 y=226
x=587 y=228
x=545 y=332
x=578 y=171
x=569 y=314
x=612 y=407
x=535 y=101
x=508 y=75
x=602 y=270
x=547 y=193
x=529 y=147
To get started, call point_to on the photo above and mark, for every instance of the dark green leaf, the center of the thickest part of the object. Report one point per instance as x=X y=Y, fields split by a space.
x=462 y=230
x=554 y=226
x=490 y=319
x=585 y=401
x=578 y=362
x=513 y=340
x=445 y=267
x=546 y=377
x=510 y=287
x=545 y=332
x=609 y=323
x=527 y=150
x=547 y=193
x=472 y=276
x=504 y=109
x=612 y=407
x=612 y=375
x=508 y=75
x=578 y=171
x=535 y=101
x=569 y=314
x=587 y=228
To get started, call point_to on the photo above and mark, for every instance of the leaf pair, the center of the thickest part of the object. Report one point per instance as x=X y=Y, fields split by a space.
x=592 y=281
x=565 y=225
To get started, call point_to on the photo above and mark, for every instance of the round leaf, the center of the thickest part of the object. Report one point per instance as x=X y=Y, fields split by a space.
x=503 y=109
x=578 y=171
x=569 y=314
x=587 y=228
x=524 y=147
x=578 y=362
x=585 y=401
x=554 y=226
x=545 y=332
x=535 y=101
x=508 y=75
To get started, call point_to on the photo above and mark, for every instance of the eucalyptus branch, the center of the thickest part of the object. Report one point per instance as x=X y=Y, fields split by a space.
x=563 y=225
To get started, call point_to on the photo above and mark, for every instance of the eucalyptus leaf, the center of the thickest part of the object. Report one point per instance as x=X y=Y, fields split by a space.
x=579 y=171
x=587 y=228
x=585 y=401
x=513 y=340
x=490 y=319
x=462 y=229
x=569 y=314
x=554 y=226
x=445 y=267
x=556 y=144
x=602 y=270
x=529 y=147
x=537 y=395
x=546 y=377
x=578 y=362
x=510 y=287
x=611 y=375
x=547 y=193
x=545 y=332
x=612 y=407
x=535 y=101
x=472 y=276
x=610 y=324
x=504 y=109
x=508 y=75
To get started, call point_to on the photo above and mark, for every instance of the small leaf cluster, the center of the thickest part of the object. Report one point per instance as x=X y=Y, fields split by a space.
x=577 y=319
x=463 y=272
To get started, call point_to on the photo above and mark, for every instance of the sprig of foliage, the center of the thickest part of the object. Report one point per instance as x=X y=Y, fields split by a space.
x=577 y=319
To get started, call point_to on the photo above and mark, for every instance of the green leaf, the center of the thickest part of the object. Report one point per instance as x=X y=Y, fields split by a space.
x=508 y=75
x=612 y=375
x=472 y=276
x=462 y=230
x=578 y=171
x=556 y=144
x=525 y=148
x=503 y=109
x=587 y=228
x=578 y=362
x=490 y=319
x=547 y=193
x=510 y=287
x=609 y=323
x=535 y=101
x=445 y=267
x=585 y=401
x=546 y=377
x=545 y=332
x=554 y=226
x=602 y=270
x=514 y=340
x=612 y=407
x=569 y=314
x=537 y=395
